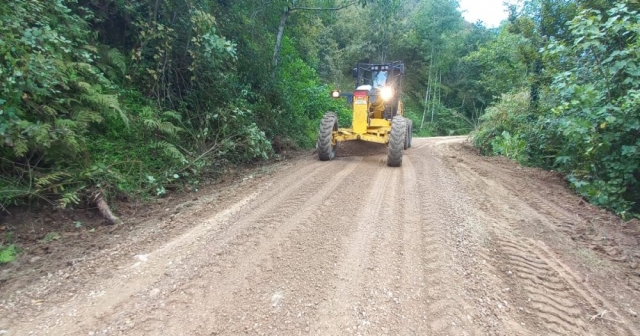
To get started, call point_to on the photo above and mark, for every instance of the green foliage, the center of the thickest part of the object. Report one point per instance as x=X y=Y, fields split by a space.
x=8 y=253
x=596 y=99
x=304 y=98
x=588 y=125
x=499 y=65
x=502 y=128
x=84 y=112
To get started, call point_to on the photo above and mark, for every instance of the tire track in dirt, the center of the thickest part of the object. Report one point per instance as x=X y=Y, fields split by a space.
x=301 y=280
x=380 y=307
x=446 y=310
x=268 y=227
x=541 y=285
x=341 y=311
x=554 y=297
x=413 y=284
x=597 y=301
x=226 y=231
x=113 y=291
x=572 y=218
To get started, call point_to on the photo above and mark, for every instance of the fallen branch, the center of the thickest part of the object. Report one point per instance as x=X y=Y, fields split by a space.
x=105 y=210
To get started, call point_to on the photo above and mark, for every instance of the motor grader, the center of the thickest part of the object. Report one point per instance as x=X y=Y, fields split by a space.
x=378 y=113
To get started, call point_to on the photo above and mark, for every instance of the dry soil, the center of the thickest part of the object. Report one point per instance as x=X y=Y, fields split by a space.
x=451 y=243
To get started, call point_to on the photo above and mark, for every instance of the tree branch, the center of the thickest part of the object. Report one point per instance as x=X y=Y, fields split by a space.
x=323 y=9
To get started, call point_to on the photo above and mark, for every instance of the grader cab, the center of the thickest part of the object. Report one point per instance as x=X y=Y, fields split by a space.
x=378 y=113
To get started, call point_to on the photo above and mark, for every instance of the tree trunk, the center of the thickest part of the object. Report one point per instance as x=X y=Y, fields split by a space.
x=426 y=97
x=276 y=49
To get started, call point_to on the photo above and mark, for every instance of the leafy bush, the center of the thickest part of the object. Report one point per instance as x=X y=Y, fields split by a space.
x=74 y=120
x=304 y=98
x=596 y=105
x=52 y=92
x=503 y=125
x=8 y=253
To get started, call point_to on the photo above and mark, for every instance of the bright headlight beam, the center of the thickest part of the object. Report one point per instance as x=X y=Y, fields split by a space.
x=386 y=93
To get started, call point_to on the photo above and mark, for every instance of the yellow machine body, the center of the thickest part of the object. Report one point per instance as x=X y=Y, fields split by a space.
x=378 y=113
x=368 y=123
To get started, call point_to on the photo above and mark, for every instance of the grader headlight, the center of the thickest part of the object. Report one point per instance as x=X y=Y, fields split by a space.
x=335 y=94
x=386 y=93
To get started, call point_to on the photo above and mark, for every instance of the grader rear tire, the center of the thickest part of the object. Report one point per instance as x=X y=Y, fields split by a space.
x=326 y=148
x=397 y=139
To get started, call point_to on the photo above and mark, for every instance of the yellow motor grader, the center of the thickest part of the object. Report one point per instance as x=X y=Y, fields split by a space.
x=378 y=113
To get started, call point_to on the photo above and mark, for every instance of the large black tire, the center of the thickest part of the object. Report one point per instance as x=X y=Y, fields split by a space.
x=410 y=134
x=406 y=134
x=397 y=140
x=326 y=149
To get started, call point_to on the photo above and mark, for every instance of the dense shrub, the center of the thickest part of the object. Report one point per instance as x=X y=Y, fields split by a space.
x=126 y=98
x=503 y=127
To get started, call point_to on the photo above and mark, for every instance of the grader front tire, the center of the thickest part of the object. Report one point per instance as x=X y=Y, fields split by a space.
x=409 y=132
x=326 y=148
x=397 y=139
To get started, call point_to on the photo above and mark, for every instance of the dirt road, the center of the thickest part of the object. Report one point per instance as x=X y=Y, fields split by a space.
x=451 y=243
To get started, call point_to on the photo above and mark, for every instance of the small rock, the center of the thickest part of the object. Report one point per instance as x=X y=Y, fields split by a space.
x=34 y=259
x=154 y=292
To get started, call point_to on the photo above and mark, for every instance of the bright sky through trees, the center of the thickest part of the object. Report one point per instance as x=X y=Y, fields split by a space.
x=491 y=12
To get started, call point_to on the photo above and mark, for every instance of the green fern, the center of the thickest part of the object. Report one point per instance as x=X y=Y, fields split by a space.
x=170 y=151
x=20 y=147
x=49 y=180
x=105 y=103
x=87 y=116
x=40 y=133
x=49 y=110
x=117 y=59
x=67 y=124
x=168 y=128
x=163 y=127
x=84 y=87
x=151 y=124
x=172 y=115
x=69 y=198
